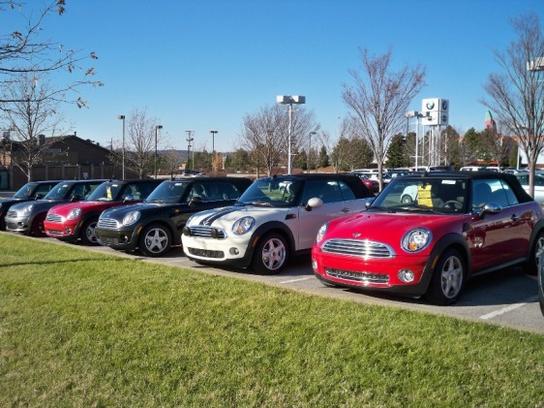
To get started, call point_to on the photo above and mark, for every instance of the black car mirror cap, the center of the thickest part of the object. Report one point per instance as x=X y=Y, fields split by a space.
x=314 y=202
x=128 y=198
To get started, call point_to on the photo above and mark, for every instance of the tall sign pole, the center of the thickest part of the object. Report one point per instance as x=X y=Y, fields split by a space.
x=290 y=100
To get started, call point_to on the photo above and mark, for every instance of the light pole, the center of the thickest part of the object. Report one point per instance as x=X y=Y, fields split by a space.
x=157 y=128
x=213 y=132
x=122 y=117
x=310 y=151
x=290 y=100
x=189 y=140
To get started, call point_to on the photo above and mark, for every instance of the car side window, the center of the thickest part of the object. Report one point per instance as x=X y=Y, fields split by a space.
x=221 y=191
x=347 y=193
x=510 y=195
x=78 y=192
x=198 y=190
x=486 y=191
x=43 y=189
x=327 y=190
x=132 y=192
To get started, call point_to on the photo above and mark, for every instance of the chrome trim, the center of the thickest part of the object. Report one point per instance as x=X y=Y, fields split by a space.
x=108 y=223
x=363 y=248
x=54 y=218
x=206 y=231
x=363 y=277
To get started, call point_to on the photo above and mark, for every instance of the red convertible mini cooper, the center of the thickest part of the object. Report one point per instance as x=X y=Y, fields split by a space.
x=426 y=235
x=78 y=220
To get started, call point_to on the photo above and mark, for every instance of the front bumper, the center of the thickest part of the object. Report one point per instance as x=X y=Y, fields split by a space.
x=375 y=274
x=65 y=229
x=233 y=250
x=18 y=224
x=124 y=239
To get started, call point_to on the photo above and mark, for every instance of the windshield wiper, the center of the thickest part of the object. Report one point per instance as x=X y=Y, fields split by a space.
x=385 y=209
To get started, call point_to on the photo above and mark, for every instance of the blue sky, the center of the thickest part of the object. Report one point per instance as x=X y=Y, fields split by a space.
x=204 y=64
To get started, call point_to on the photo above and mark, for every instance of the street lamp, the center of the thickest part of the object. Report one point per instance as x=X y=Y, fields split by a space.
x=157 y=128
x=122 y=117
x=213 y=132
x=290 y=100
x=189 y=140
x=310 y=151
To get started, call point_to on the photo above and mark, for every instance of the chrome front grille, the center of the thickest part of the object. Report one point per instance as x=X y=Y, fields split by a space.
x=206 y=231
x=363 y=277
x=11 y=214
x=53 y=217
x=358 y=247
x=107 y=223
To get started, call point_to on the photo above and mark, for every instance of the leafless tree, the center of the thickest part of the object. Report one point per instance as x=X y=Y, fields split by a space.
x=141 y=141
x=378 y=99
x=516 y=94
x=23 y=51
x=28 y=118
x=265 y=134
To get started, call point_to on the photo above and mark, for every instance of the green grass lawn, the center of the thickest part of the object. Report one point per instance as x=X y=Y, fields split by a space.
x=82 y=329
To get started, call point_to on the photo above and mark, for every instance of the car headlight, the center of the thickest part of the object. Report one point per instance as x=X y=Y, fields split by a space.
x=75 y=213
x=321 y=232
x=416 y=240
x=131 y=217
x=243 y=225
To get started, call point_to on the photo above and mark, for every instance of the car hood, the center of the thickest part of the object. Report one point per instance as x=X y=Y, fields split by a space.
x=85 y=206
x=228 y=215
x=389 y=228
x=11 y=200
x=118 y=213
x=37 y=206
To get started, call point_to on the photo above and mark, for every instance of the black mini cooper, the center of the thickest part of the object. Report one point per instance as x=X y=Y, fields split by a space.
x=155 y=225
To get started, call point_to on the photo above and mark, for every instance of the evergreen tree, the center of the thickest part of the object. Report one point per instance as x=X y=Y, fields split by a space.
x=323 y=157
x=397 y=154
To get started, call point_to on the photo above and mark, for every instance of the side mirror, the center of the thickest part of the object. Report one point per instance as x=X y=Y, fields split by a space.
x=39 y=196
x=489 y=208
x=369 y=202
x=195 y=201
x=128 y=198
x=314 y=202
x=75 y=198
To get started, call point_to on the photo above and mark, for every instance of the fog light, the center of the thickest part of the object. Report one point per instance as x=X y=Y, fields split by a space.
x=314 y=265
x=234 y=251
x=406 y=275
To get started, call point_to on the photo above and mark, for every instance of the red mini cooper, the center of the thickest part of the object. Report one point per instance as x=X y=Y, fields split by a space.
x=78 y=220
x=427 y=234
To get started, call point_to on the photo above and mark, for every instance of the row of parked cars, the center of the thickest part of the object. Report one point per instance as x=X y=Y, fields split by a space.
x=426 y=234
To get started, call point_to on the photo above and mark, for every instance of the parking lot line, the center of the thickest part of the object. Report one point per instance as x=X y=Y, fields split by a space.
x=298 y=280
x=507 y=309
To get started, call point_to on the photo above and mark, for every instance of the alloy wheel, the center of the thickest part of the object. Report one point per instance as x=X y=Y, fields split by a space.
x=90 y=233
x=156 y=240
x=273 y=254
x=539 y=249
x=451 y=277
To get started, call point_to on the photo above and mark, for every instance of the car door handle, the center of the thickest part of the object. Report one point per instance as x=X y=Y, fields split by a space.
x=345 y=210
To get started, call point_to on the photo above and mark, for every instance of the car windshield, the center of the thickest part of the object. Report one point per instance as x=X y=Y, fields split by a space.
x=272 y=192
x=107 y=191
x=58 y=192
x=168 y=192
x=25 y=191
x=434 y=195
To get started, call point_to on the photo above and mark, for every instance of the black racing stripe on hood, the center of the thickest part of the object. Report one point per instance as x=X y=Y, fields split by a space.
x=210 y=219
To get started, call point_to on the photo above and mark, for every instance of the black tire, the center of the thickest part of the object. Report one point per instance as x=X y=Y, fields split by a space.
x=86 y=236
x=532 y=263
x=155 y=240
x=281 y=251
x=445 y=287
x=37 y=229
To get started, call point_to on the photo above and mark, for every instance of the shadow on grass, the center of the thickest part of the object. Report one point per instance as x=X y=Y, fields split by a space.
x=60 y=261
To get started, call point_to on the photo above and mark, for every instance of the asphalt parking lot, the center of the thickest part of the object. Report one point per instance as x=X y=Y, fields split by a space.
x=506 y=298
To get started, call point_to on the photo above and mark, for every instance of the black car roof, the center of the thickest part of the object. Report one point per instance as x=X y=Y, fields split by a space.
x=137 y=181
x=315 y=176
x=207 y=178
